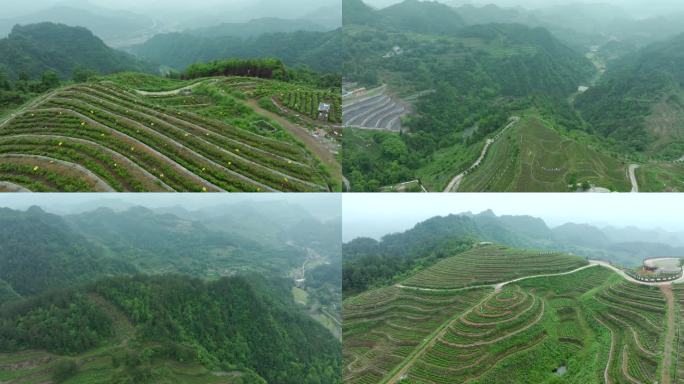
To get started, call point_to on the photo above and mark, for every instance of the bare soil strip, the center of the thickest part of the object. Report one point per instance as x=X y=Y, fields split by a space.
x=670 y=336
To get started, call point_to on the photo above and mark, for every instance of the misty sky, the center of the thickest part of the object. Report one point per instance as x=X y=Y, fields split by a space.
x=635 y=7
x=77 y=202
x=160 y=8
x=375 y=215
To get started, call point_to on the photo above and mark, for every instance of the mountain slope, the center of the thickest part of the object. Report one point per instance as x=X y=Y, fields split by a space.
x=165 y=243
x=36 y=48
x=639 y=103
x=40 y=251
x=106 y=23
x=460 y=85
x=421 y=17
x=317 y=50
x=257 y=27
x=407 y=16
x=157 y=329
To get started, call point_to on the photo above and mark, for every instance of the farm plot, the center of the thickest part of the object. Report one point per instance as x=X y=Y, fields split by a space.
x=300 y=98
x=382 y=327
x=531 y=156
x=678 y=290
x=635 y=316
x=116 y=138
x=491 y=264
x=377 y=112
x=506 y=324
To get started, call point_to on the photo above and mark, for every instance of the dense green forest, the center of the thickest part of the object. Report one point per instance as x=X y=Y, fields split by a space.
x=257 y=27
x=476 y=77
x=217 y=301
x=30 y=50
x=238 y=323
x=163 y=242
x=39 y=251
x=316 y=50
x=621 y=106
x=369 y=263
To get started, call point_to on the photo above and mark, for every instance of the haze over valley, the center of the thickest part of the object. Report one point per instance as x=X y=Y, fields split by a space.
x=436 y=93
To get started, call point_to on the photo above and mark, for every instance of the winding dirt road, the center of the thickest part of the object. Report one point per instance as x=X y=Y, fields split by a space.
x=670 y=336
x=665 y=287
x=323 y=153
x=632 y=177
x=456 y=181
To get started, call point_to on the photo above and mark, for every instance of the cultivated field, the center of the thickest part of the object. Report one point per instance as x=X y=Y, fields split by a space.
x=491 y=264
x=589 y=326
x=382 y=327
x=375 y=112
x=106 y=137
x=534 y=157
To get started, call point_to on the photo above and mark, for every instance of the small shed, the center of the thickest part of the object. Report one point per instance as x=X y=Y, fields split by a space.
x=323 y=111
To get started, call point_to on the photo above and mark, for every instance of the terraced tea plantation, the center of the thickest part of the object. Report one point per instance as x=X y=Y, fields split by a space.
x=382 y=327
x=376 y=112
x=635 y=316
x=491 y=264
x=106 y=137
x=587 y=326
x=533 y=157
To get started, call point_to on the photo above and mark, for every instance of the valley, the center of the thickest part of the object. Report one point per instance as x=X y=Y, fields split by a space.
x=170 y=294
x=586 y=97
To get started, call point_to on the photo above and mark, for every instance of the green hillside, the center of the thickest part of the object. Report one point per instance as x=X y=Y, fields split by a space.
x=588 y=326
x=369 y=263
x=317 y=50
x=40 y=251
x=136 y=132
x=638 y=104
x=462 y=85
x=35 y=48
x=532 y=156
x=167 y=329
x=213 y=305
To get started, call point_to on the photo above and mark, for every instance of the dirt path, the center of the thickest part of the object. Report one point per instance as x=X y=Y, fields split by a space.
x=456 y=181
x=174 y=92
x=323 y=153
x=632 y=177
x=498 y=286
x=429 y=342
x=6 y=186
x=606 y=376
x=670 y=336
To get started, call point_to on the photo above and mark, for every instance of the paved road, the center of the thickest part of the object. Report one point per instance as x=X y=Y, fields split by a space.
x=456 y=181
x=632 y=177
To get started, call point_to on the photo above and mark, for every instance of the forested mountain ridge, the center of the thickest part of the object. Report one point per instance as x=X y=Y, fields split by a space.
x=317 y=50
x=639 y=103
x=166 y=243
x=30 y=50
x=368 y=262
x=406 y=16
x=228 y=328
x=257 y=27
x=39 y=251
x=463 y=86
